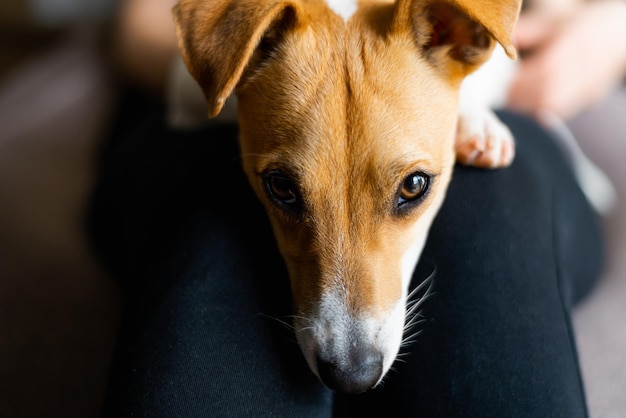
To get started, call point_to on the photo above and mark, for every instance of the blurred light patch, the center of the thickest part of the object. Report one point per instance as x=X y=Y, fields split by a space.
x=63 y=12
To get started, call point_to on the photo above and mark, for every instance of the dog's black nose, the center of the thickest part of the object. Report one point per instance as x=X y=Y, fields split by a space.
x=356 y=374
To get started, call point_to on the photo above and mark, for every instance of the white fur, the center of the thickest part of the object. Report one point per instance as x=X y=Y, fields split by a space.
x=330 y=331
x=344 y=8
x=411 y=256
x=487 y=86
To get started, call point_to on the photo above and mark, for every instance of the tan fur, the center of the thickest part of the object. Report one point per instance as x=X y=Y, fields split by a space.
x=348 y=110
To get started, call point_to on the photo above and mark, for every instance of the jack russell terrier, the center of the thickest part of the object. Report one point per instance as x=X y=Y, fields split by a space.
x=351 y=120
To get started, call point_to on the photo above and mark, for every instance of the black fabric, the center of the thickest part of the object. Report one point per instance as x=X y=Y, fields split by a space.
x=204 y=329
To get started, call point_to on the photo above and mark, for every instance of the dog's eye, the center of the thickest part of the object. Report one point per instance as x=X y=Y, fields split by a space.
x=281 y=189
x=412 y=188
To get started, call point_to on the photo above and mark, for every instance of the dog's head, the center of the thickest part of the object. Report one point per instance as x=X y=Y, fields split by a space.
x=347 y=120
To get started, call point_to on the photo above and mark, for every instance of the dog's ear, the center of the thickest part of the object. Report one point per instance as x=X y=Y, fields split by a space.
x=219 y=38
x=458 y=36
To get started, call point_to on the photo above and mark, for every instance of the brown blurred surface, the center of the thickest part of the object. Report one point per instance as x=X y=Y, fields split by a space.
x=58 y=309
x=21 y=37
x=598 y=321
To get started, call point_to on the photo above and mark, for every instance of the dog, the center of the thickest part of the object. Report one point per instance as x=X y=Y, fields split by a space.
x=351 y=119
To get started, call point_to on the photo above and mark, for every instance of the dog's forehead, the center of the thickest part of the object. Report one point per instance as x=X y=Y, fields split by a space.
x=343 y=96
x=328 y=75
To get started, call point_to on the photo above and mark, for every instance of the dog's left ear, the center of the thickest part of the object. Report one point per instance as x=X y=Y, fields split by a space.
x=218 y=39
x=457 y=36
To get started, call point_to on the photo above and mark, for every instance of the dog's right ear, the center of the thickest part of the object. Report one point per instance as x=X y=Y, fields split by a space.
x=457 y=36
x=218 y=39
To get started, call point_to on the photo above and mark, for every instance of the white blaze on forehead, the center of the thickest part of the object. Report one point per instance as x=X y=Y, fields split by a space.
x=344 y=8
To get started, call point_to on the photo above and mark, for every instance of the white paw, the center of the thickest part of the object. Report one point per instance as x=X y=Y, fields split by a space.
x=482 y=140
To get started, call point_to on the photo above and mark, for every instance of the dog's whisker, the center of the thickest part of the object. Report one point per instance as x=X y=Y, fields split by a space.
x=284 y=324
x=289 y=325
x=303 y=318
x=304 y=329
x=415 y=305
x=426 y=282
x=412 y=337
x=392 y=369
x=414 y=319
x=292 y=327
x=413 y=325
x=279 y=320
x=414 y=322
x=413 y=313
x=382 y=381
x=409 y=341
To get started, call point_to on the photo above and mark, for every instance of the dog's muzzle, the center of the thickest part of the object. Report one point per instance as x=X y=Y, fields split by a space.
x=349 y=352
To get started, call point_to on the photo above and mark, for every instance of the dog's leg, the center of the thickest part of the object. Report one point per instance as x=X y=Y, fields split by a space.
x=482 y=140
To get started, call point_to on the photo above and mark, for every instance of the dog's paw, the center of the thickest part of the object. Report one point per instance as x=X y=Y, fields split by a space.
x=482 y=140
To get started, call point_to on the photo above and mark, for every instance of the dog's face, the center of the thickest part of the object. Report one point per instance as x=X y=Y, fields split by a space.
x=347 y=132
x=351 y=150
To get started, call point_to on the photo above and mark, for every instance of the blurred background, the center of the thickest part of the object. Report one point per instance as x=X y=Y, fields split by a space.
x=61 y=81
x=65 y=68
x=58 y=307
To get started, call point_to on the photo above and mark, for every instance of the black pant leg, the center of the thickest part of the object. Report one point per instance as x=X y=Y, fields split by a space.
x=206 y=290
x=511 y=249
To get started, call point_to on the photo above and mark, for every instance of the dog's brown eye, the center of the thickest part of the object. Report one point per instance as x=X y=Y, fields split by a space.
x=413 y=187
x=281 y=190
